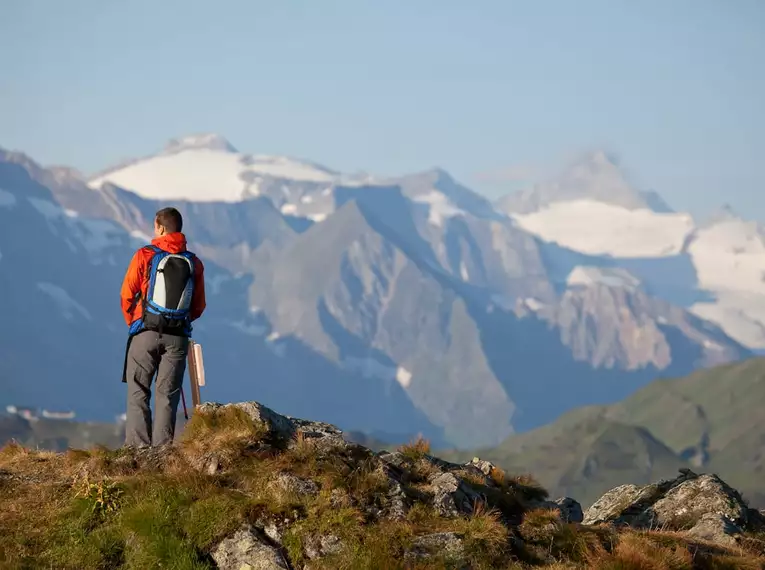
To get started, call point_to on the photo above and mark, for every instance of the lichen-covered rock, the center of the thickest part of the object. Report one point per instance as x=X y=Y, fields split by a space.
x=703 y=505
x=283 y=428
x=297 y=485
x=154 y=458
x=448 y=493
x=448 y=546
x=272 y=531
x=398 y=503
x=247 y=550
x=485 y=467
x=312 y=430
x=619 y=504
x=279 y=426
x=395 y=459
x=684 y=505
x=716 y=528
x=451 y=497
x=324 y=545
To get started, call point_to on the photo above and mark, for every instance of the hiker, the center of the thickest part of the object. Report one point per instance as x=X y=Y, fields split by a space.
x=162 y=293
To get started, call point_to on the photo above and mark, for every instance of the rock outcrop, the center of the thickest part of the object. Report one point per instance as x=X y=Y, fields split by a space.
x=248 y=549
x=702 y=505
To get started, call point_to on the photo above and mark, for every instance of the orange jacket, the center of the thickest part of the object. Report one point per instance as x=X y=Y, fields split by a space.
x=137 y=278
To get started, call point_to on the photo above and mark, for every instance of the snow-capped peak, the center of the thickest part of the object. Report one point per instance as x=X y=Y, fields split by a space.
x=596 y=162
x=596 y=176
x=209 y=141
x=723 y=214
x=597 y=228
x=207 y=168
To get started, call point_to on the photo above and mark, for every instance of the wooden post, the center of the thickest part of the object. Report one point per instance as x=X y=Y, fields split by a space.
x=194 y=364
x=199 y=364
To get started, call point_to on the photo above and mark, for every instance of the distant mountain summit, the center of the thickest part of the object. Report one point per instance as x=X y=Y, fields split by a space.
x=207 y=168
x=595 y=176
x=209 y=141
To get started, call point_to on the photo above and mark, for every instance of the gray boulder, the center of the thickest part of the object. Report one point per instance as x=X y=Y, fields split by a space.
x=297 y=485
x=284 y=429
x=319 y=546
x=716 y=528
x=247 y=549
x=702 y=505
x=451 y=497
x=447 y=546
x=685 y=504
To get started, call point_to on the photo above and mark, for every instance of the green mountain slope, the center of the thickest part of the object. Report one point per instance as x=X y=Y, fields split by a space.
x=712 y=421
x=714 y=417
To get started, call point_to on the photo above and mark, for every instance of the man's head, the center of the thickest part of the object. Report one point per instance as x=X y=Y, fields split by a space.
x=167 y=221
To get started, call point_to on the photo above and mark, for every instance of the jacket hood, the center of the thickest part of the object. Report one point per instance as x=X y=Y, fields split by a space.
x=174 y=242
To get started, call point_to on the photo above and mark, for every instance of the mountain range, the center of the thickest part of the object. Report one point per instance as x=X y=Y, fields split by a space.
x=387 y=305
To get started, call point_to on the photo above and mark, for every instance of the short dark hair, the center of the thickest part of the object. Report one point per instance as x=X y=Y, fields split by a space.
x=171 y=219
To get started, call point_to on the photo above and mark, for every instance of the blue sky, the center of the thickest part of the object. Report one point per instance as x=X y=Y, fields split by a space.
x=495 y=91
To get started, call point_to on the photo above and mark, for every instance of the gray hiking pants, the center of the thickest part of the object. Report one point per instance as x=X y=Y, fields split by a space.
x=149 y=353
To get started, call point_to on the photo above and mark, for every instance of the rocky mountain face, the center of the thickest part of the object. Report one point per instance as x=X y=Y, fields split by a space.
x=248 y=487
x=388 y=306
x=616 y=326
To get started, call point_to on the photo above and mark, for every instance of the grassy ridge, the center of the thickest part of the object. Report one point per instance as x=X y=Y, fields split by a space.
x=162 y=508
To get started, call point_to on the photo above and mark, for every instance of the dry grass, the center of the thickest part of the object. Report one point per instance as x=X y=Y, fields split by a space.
x=486 y=537
x=227 y=433
x=421 y=470
x=365 y=480
x=473 y=477
x=632 y=551
x=525 y=485
x=753 y=543
x=302 y=449
x=547 y=538
x=653 y=550
x=416 y=449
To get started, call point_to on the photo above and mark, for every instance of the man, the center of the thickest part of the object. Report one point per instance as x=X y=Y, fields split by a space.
x=162 y=293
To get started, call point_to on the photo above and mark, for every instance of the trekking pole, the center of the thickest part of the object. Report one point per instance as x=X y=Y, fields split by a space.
x=183 y=399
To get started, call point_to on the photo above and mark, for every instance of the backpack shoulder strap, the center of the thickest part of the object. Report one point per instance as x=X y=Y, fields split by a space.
x=145 y=273
x=152 y=251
